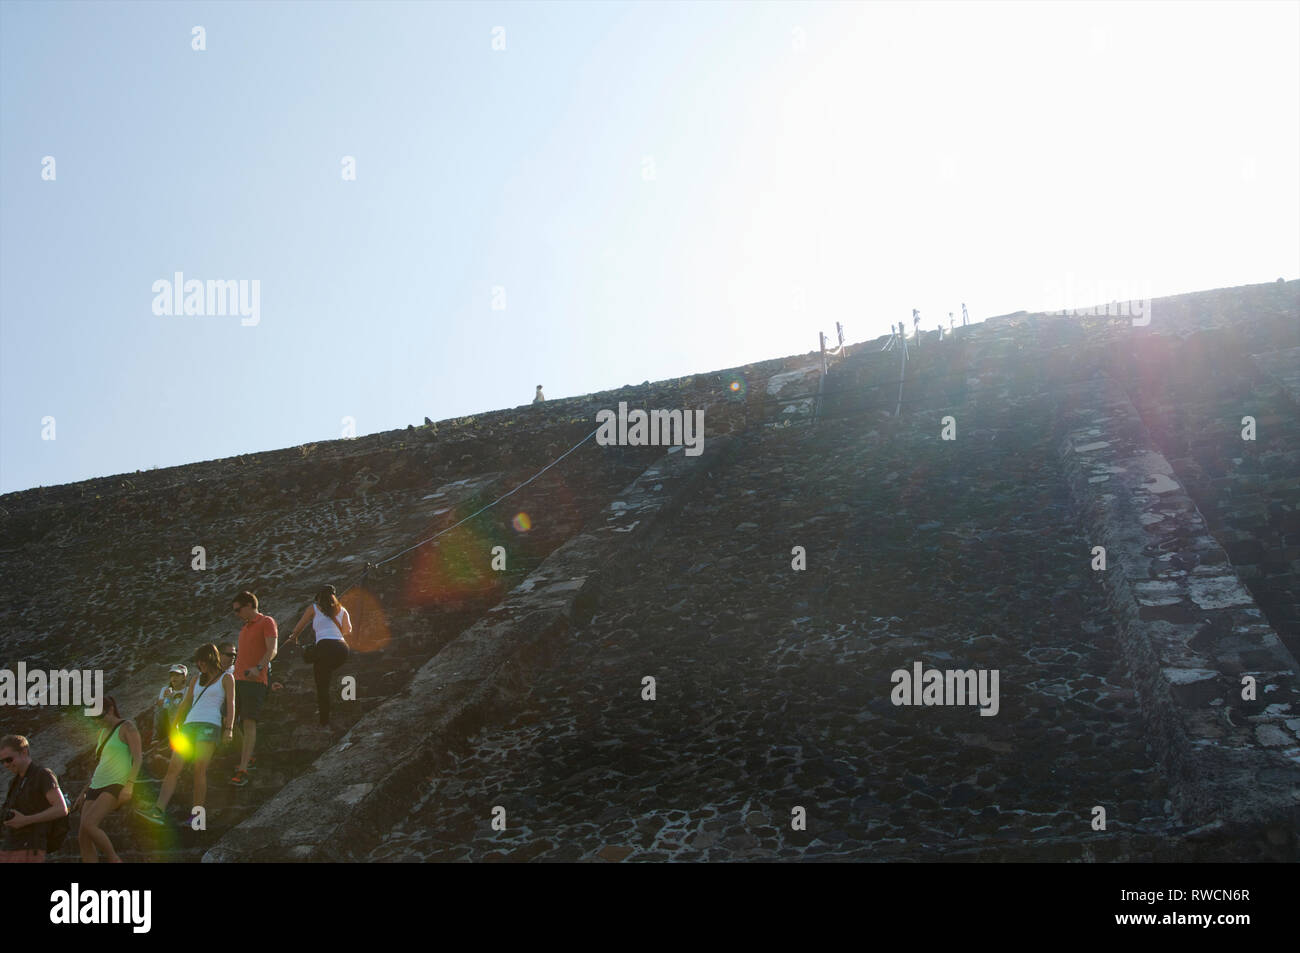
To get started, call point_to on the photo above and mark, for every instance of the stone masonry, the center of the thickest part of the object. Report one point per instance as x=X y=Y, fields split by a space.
x=951 y=520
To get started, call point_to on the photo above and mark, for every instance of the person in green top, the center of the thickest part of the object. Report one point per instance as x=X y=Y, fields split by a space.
x=117 y=754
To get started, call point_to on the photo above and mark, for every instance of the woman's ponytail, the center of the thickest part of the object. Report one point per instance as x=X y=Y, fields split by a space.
x=328 y=603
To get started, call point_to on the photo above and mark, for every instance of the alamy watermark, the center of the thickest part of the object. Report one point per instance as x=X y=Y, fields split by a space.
x=85 y=906
x=951 y=687
x=1111 y=298
x=655 y=428
x=83 y=687
x=213 y=297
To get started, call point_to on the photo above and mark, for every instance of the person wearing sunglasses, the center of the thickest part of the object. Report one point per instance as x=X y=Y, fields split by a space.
x=117 y=763
x=33 y=801
x=227 y=651
x=258 y=638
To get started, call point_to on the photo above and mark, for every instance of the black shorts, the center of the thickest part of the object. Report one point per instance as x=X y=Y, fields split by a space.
x=93 y=793
x=248 y=699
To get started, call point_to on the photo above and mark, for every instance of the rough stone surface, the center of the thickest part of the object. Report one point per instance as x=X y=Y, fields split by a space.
x=524 y=690
x=472 y=678
x=1187 y=660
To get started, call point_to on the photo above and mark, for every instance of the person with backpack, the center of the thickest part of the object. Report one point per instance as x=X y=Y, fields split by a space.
x=117 y=763
x=331 y=624
x=35 y=813
x=206 y=716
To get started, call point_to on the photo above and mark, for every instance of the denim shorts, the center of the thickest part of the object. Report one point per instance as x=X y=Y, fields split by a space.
x=199 y=731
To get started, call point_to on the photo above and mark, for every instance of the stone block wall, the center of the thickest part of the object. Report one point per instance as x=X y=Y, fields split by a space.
x=1193 y=636
x=1120 y=688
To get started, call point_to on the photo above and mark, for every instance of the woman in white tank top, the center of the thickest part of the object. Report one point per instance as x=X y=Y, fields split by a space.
x=208 y=700
x=208 y=711
x=331 y=625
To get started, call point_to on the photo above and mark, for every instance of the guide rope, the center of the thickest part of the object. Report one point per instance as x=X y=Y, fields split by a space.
x=821 y=393
x=371 y=566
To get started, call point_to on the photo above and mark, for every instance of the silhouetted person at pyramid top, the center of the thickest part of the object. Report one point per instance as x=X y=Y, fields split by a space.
x=916 y=326
x=539 y=396
x=965 y=319
x=428 y=422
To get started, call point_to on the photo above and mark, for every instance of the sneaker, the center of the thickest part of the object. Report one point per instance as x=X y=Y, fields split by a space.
x=252 y=763
x=240 y=779
x=153 y=814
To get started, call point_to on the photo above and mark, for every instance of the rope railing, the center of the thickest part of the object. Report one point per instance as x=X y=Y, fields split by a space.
x=817 y=396
x=371 y=566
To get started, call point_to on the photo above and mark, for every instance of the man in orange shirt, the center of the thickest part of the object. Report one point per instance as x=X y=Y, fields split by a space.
x=257 y=644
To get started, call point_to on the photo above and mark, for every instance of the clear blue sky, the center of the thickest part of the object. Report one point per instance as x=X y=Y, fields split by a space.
x=812 y=163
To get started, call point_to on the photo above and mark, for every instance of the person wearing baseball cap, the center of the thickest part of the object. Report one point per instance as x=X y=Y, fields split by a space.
x=165 y=705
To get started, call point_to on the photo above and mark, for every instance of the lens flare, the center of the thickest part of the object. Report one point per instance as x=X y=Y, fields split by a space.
x=452 y=569
x=461 y=566
x=370 y=630
x=737 y=387
x=181 y=745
